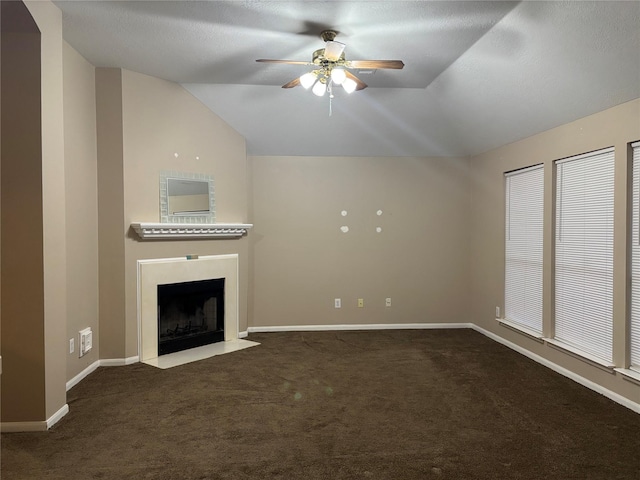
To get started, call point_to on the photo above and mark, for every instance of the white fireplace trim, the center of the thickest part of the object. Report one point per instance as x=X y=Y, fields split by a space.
x=159 y=271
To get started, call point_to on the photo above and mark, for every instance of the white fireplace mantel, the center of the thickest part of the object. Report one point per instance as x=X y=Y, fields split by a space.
x=180 y=231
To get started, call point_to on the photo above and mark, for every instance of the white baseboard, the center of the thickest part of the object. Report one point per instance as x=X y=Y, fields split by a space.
x=119 y=362
x=244 y=334
x=367 y=326
x=55 y=418
x=624 y=401
x=105 y=362
x=42 y=426
x=82 y=375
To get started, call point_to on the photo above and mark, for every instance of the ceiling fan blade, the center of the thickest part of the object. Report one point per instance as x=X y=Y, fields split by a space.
x=360 y=84
x=290 y=62
x=293 y=83
x=333 y=50
x=375 y=64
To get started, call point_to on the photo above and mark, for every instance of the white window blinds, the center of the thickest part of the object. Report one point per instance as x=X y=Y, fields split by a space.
x=635 y=261
x=584 y=253
x=524 y=198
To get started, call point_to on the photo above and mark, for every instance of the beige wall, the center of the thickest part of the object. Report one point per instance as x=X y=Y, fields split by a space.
x=615 y=127
x=23 y=361
x=158 y=119
x=110 y=212
x=302 y=260
x=49 y=20
x=81 y=205
x=34 y=229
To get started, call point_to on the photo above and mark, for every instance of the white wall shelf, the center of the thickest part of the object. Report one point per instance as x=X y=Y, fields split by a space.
x=182 y=231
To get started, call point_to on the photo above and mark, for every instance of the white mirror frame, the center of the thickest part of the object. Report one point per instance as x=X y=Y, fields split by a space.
x=166 y=217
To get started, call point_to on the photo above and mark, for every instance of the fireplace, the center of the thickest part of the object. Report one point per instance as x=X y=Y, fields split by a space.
x=190 y=314
x=153 y=274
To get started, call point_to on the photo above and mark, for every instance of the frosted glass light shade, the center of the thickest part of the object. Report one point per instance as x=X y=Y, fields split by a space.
x=338 y=75
x=307 y=80
x=349 y=85
x=333 y=50
x=319 y=88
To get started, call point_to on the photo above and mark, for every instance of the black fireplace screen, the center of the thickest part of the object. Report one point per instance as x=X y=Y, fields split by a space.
x=190 y=314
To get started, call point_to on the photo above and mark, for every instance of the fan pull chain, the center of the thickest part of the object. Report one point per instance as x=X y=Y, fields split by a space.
x=330 y=90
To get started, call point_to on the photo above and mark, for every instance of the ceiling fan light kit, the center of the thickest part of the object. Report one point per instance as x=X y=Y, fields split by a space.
x=349 y=85
x=307 y=80
x=338 y=75
x=319 y=88
x=331 y=67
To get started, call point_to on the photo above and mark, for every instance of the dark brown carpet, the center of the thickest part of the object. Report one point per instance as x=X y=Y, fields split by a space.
x=393 y=405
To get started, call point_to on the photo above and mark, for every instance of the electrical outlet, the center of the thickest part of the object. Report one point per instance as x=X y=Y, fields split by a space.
x=72 y=346
x=337 y=303
x=497 y=312
x=360 y=302
x=387 y=302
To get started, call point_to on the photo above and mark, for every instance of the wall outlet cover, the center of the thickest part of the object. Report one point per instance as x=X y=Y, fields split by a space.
x=86 y=341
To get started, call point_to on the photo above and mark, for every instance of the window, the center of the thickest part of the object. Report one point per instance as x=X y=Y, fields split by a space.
x=635 y=261
x=584 y=253
x=524 y=198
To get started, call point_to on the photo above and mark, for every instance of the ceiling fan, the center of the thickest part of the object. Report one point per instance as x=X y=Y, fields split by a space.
x=330 y=67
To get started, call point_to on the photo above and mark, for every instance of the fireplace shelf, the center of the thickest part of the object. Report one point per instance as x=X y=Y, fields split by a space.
x=182 y=231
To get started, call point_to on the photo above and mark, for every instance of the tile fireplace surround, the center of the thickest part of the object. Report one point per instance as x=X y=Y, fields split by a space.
x=154 y=272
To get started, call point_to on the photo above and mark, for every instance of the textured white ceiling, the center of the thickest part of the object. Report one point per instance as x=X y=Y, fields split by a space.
x=477 y=74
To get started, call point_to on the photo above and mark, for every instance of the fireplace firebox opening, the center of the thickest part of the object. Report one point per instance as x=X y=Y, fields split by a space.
x=190 y=314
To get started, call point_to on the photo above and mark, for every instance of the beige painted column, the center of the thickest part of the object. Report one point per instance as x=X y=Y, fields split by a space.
x=22 y=275
x=111 y=252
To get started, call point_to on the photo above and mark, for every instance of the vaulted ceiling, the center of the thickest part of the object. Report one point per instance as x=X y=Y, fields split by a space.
x=477 y=75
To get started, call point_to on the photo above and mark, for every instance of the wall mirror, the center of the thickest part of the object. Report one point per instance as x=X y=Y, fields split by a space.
x=186 y=198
